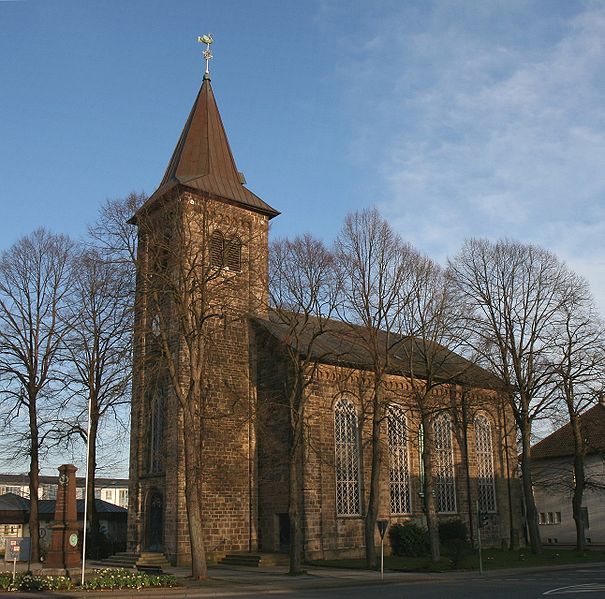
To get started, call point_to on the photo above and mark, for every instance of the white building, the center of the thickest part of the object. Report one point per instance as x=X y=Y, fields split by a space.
x=112 y=490
x=552 y=469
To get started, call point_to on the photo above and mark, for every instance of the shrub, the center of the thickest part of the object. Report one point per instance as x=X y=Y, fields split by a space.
x=457 y=550
x=30 y=582
x=452 y=529
x=121 y=578
x=409 y=540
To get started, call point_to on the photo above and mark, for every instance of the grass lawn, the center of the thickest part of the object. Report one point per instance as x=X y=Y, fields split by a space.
x=492 y=559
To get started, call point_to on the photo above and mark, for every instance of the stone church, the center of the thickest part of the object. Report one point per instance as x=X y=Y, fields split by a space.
x=244 y=451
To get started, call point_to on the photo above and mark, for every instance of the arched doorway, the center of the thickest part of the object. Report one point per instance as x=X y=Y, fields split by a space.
x=155 y=522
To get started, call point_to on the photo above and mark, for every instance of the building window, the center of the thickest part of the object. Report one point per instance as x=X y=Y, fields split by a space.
x=156 y=445
x=217 y=242
x=399 y=465
x=549 y=518
x=346 y=462
x=445 y=482
x=486 y=484
x=225 y=252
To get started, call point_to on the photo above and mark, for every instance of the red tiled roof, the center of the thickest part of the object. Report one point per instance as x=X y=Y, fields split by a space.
x=561 y=444
x=202 y=159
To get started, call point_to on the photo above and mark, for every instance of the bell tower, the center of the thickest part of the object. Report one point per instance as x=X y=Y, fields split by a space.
x=202 y=271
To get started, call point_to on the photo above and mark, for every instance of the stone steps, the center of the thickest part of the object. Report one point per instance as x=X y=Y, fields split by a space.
x=121 y=560
x=254 y=560
x=152 y=561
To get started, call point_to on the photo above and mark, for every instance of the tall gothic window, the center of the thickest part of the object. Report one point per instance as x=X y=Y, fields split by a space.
x=486 y=486
x=225 y=252
x=445 y=481
x=156 y=433
x=346 y=462
x=399 y=465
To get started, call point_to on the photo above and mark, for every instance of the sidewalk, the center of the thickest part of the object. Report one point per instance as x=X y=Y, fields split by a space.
x=227 y=581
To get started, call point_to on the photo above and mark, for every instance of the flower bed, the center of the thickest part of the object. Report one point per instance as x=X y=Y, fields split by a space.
x=120 y=578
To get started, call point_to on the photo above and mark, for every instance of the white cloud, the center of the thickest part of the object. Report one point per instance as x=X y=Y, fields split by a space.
x=484 y=130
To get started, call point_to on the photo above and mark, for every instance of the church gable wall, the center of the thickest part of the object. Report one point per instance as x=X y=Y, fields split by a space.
x=329 y=535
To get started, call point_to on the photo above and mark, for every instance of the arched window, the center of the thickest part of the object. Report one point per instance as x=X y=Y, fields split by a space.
x=225 y=252
x=399 y=472
x=156 y=433
x=217 y=243
x=486 y=487
x=346 y=458
x=445 y=482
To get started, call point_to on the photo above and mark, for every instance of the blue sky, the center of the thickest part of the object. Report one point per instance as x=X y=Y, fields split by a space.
x=456 y=119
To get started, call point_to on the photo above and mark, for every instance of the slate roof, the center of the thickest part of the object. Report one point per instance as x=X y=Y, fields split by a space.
x=340 y=345
x=560 y=443
x=11 y=502
x=202 y=159
x=47 y=506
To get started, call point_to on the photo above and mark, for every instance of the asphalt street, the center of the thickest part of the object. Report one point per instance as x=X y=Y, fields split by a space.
x=584 y=581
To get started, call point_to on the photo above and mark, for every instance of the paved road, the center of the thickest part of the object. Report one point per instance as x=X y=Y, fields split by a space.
x=588 y=583
x=585 y=582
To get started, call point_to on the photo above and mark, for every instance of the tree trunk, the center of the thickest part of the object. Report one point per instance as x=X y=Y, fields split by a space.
x=528 y=492
x=295 y=500
x=579 y=482
x=92 y=516
x=374 y=498
x=430 y=506
x=193 y=484
x=34 y=470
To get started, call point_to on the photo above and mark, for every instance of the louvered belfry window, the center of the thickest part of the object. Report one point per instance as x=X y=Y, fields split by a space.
x=445 y=481
x=217 y=248
x=346 y=462
x=225 y=252
x=233 y=254
x=486 y=487
x=399 y=471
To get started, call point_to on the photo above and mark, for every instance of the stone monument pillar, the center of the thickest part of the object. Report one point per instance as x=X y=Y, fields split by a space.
x=64 y=552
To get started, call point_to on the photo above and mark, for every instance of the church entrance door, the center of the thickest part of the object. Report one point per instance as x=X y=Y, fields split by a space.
x=155 y=522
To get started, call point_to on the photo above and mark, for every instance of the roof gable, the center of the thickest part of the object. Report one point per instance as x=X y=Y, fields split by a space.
x=561 y=443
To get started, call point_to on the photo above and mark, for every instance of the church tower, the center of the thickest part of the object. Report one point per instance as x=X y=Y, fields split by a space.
x=202 y=272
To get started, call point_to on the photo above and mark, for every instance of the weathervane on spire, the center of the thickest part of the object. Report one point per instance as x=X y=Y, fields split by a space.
x=207 y=54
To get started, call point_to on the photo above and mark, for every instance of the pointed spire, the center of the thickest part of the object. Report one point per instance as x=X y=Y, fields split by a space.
x=202 y=159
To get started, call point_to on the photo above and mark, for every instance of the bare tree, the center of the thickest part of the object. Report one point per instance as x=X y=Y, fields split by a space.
x=513 y=294
x=112 y=235
x=374 y=264
x=302 y=293
x=578 y=364
x=35 y=277
x=99 y=357
x=428 y=328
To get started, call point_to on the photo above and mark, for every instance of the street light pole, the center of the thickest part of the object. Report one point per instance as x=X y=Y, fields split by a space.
x=86 y=491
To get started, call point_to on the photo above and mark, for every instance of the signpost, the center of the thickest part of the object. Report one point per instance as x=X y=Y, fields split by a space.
x=481 y=522
x=382 y=528
x=17 y=549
